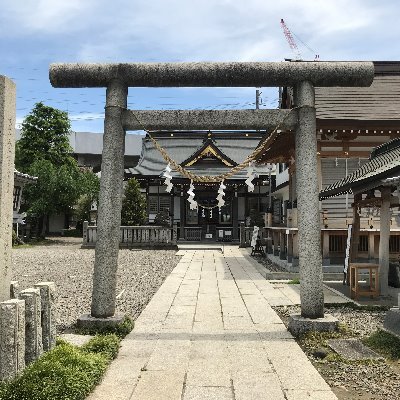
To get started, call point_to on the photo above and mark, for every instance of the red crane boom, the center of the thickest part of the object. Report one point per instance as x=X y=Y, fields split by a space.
x=290 y=40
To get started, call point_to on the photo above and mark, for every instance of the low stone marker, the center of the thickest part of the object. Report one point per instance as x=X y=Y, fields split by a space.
x=47 y=294
x=12 y=338
x=33 y=324
x=14 y=289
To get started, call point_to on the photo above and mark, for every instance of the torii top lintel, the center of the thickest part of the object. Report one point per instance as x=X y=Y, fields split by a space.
x=212 y=74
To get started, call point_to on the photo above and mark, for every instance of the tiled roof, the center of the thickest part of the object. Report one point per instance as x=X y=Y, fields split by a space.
x=180 y=147
x=24 y=177
x=379 y=102
x=384 y=163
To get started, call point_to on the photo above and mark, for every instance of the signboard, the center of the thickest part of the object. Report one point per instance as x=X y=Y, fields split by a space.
x=255 y=236
x=220 y=233
x=208 y=235
x=347 y=258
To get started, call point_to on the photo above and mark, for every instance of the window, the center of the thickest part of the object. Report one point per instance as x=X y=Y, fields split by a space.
x=337 y=243
x=363 y=243
x=159 y=203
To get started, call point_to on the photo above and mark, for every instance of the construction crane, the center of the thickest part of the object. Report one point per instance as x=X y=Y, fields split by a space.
x=292 y=43
x=290 y=40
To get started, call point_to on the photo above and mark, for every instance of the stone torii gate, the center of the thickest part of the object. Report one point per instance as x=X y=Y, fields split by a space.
x=303 y=76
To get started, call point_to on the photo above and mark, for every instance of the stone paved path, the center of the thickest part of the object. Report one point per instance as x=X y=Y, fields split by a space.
x=210 y=333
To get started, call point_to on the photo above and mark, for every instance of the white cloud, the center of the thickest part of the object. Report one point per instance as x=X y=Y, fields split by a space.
x=47 y=16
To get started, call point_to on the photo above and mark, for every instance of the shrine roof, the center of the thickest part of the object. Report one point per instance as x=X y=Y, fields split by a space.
x=186 y=148
x=384 y=163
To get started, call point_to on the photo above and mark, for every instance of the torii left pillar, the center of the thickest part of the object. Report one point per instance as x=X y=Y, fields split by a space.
x=109 y=213
x=7 y=152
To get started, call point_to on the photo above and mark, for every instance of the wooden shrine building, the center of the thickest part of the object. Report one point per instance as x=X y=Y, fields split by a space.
x=203 y=153
x=375 y=189
x=351 y=122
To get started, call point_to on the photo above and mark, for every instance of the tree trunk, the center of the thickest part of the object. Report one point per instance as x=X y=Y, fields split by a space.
x=44 y=226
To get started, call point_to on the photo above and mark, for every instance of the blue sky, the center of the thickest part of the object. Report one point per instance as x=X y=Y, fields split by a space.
x=35 y=33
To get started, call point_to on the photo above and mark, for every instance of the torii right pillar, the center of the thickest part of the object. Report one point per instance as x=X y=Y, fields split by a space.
x=310 y=257
x=309 y=227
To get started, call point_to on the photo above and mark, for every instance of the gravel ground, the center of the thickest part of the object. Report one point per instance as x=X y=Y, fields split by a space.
x=140 y=274
x=379 y=380
x=268 y=264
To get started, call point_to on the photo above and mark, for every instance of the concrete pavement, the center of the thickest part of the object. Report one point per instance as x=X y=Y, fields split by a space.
x=210 y=333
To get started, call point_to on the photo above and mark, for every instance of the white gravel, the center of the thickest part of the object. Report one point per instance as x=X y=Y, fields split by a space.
x=140 y=274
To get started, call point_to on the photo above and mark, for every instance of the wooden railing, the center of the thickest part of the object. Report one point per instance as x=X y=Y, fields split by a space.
x=193 y=233
x=135 y=236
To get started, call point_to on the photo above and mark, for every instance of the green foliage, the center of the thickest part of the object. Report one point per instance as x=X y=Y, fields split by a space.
x=44 y=151
x=107 y=345
x=295 y=281
x=71 y=233
x=89 y=187
x=44 y=136
x=133 y=205
x=14 y=238
x=121 y=330
x=385 y=343
x=56 y=189
x=162 y=218
x=64 y=373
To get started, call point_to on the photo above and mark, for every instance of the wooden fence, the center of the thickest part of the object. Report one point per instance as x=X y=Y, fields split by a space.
x=136 y=236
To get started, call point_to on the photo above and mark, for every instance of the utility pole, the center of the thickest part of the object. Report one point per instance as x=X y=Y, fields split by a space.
x=258 y=94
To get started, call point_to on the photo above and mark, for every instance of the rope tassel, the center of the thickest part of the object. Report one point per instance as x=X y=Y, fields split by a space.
x=221 y=194
x=250 y=177
x=192 y=202
x=167 y=175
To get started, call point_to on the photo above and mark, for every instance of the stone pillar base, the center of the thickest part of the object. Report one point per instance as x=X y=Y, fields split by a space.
x=392 y=321
x=299 y=325
x=90 y=323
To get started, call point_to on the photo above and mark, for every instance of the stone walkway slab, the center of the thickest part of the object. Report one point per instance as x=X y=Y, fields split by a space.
x=210 y=333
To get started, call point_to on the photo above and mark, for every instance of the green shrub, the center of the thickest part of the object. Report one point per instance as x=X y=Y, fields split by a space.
x=121 y=330
x=295 y=281
x=64 y=373
x=71 y=233
x=107 y=345
x=385 y=343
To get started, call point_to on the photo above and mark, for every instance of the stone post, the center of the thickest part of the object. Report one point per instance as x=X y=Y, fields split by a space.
x=242 y=235
x=110 y=203
x=47 y=298
x=310 y=258
x=384 y=241
x=7 y=151
x=33 y=324
x=174 y=233
x=84 y=232
x=14 y=288
x=12 y=338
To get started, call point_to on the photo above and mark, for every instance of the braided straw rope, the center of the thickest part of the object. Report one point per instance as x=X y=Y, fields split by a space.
x=217 y=178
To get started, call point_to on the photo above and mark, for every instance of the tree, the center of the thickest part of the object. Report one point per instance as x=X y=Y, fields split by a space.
x=90 y=188
x=133 y=205
x=44 y=136
x=162 y=218
x=44 y=151
x=55 y=191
